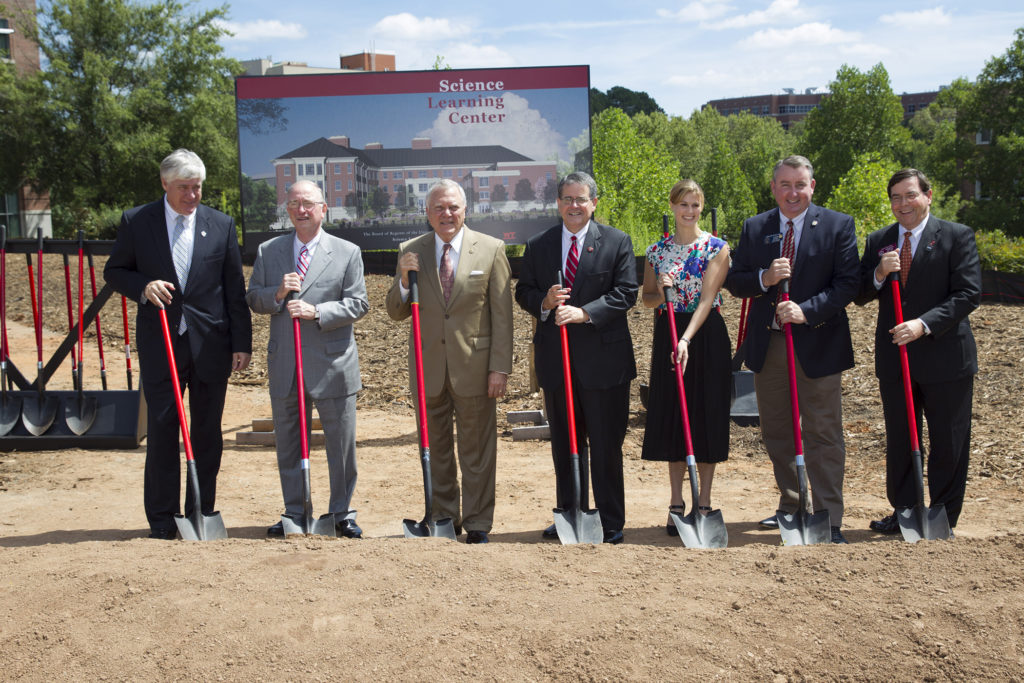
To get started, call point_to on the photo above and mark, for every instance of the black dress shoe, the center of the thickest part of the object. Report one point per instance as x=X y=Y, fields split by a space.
x=769 y=523
x=458 y=529
x=837 y=536
x=550 y=532
x=347 y=528
x=164 y=534
x=613 y=537
x=887 y=525
x=670 y=526
x=474 y=536
x=276 y=531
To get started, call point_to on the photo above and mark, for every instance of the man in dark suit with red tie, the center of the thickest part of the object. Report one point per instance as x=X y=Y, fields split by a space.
x=184 y=256
x=816 y=250
x=599 y=271
x=940 y=285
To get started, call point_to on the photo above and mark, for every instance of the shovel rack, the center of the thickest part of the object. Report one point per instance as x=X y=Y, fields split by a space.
x=120 y=414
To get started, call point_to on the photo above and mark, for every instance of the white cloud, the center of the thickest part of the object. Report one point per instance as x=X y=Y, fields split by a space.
x=406 y=26
x=779 y=11
x=523 y=130
x=263 y=29
x=699 y=10
x=806 y=34
x=925 y=18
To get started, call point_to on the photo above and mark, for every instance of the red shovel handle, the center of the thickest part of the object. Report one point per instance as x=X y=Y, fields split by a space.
x=421 y=394
x=300 y=383
x=794 y=400
x=684 y=413
x=178 y=403
x=567 y=372
x=908 y=394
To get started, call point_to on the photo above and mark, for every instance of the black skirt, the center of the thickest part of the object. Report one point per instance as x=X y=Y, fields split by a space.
x=707 y=381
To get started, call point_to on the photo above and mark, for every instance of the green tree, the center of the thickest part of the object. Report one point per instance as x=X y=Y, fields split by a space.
x=937 y=146
x=499 y=193
x=629 y=101
x=524 y=192
x=123 y=84
x=862 y=193
x=633 y=177
x=259 y=201
x=861 y=115
x=758 y=142
x=725 y=188
x=378 y=200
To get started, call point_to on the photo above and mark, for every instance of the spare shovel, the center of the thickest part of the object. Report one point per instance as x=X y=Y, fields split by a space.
x=80 y=410
x=441 y=528
x=39 y=413
x=805 y=527
x=695 y=530
x=574 y=525
x=10 y=407
x=306 y=525
x=196 y=526
x=917 y=522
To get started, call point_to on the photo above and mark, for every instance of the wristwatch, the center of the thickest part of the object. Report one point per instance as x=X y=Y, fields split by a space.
x=316 y=313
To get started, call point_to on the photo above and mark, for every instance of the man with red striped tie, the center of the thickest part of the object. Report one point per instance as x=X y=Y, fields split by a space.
x=598 y=272
x=317 y=278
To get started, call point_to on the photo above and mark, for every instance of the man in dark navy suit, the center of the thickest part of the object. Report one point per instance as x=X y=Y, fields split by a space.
x=184 y=256
x=599 y=259
x=823 y=271
x=939 y=290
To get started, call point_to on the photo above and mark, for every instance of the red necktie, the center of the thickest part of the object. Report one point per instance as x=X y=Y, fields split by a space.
x=571 y=263
x=787 y=253
x=906 y=256
x=303 y=263
x=445 y=273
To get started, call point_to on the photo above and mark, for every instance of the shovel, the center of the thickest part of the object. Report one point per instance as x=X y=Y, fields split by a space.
x=38 y=414
x=10 y=407
x=306 y=525
x=71 y=319
x=99 y=332
x=695 y=530
x=574 y=525
x=127 y=342
x=80 y=410
x=197 y=526
x=442 y=528
x=804 y=527
x=917 y=522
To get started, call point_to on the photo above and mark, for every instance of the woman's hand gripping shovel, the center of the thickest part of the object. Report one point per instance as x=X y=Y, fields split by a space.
x=442 y=528
x=917 y=522
x=695 y=530
x=574 y=525
x=803 y=527
x=196 y=526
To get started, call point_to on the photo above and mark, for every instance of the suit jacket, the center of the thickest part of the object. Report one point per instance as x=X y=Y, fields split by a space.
x=825 y=279
x=601 y=351
x=213 y=301
x=334 y=283
x=943 y=288
x=471 y=335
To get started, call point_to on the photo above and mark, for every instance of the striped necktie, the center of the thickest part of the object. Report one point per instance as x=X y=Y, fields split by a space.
x=572 y=261
x=787 y=253
x=906 y=258
x=445 y=273
x=303 y=262
x=182 y=255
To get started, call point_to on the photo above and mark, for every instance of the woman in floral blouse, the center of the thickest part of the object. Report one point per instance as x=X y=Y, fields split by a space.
x=694 y=264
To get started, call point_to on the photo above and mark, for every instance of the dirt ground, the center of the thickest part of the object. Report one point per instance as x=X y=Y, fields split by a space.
x=84 y=595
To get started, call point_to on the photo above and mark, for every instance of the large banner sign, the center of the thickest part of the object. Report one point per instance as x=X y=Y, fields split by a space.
x=377 y=142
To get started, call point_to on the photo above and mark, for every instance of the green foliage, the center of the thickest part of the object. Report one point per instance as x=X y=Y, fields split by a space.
x=260 y=202
x=937 y=147
x=725 y=187
x=633 y=176
x=629 y=101
x=862 y=115
x=123 y=84
x=862 y=193
x=1000 y=252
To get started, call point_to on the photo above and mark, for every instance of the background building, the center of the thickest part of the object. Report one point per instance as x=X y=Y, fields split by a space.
x=790 y=107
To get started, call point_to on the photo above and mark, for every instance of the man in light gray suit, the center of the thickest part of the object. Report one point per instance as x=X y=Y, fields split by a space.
x=326 y=272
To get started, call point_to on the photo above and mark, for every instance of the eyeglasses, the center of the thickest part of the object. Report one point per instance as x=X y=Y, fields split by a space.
x=900 y=198
x=581 y=201
x=305 y=204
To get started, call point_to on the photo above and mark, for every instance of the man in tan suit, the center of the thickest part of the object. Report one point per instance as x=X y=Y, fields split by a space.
x=466 y=331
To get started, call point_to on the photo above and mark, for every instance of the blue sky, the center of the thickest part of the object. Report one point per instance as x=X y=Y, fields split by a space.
x=681 y=53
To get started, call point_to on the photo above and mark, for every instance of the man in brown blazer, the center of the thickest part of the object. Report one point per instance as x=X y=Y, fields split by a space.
x=466 y=331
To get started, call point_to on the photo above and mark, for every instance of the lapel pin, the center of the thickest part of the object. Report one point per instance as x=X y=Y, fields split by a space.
x=203 y=233
x=814 y=222
x=590 y=250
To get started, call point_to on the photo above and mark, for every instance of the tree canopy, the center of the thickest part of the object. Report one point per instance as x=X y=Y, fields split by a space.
x=629 y=101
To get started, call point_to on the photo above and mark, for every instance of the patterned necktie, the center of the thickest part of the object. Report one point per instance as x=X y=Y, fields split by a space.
x=181 y=261
x=445 y=273
x=572 y=261
x=787 y=253
x=906 y=257
x=303 y=262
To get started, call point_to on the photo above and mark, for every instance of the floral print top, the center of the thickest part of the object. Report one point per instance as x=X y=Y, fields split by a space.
x=686 y=264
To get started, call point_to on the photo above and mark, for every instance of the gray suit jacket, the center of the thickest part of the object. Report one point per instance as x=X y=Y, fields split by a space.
x=334 y=282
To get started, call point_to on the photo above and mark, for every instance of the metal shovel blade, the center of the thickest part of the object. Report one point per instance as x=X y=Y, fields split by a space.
x=37 y=414
x=442 y=528
x=919 y=523
x=700 y=531
x=80 y=413
x=307 y=526
x=10 y=413
x=578 y=526
x=801 y=528
x=200 y=527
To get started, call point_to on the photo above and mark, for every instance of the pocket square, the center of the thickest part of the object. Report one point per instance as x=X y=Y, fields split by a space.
x=475 y=272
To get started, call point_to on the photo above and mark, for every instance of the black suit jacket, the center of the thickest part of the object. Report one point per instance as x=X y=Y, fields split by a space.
x=825 y=279
x=943 y=288
x=213 y=303
x=601 y=351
